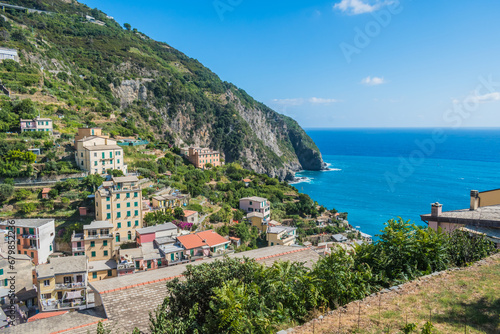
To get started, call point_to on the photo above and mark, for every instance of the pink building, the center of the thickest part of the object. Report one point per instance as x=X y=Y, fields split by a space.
x=256 y=204
x=149 y=234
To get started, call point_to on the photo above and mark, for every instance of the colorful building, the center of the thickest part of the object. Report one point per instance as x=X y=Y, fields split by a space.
x=200 y=157
x=119 y=202
x=280 y=235
x=256 y=204
x=62 y=283
x=98 y=154
x=37 y=124
x=35 y=237
x=150 y=233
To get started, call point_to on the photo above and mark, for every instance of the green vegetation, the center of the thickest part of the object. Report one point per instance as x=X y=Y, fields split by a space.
x=234 y=296
x=72 y=67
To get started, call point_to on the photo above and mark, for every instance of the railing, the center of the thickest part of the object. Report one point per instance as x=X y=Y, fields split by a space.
x=49 y=305
x=29 y=236
x=122 y=266
x=99 y=236
x=70 y=285
x=78 y=249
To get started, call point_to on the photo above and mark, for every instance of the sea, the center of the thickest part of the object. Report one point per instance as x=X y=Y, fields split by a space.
x=378 y=174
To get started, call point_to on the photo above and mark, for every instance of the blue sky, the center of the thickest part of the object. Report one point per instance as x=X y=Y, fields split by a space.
x=342 y=63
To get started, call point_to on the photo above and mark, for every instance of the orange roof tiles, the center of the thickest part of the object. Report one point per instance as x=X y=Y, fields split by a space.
x=45 y=315
x=191 y=241
x=247 y=180
x=45 y=190
x=200 y=239
x=188 y=213
x=212 y=238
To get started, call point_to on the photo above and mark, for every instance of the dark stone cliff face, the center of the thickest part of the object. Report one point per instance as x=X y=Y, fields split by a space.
x=309 y=158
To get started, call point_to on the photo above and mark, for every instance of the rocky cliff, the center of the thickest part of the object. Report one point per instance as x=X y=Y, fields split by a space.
x=105 y=72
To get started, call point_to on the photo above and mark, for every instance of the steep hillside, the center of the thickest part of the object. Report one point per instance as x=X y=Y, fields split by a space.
x=94 y=72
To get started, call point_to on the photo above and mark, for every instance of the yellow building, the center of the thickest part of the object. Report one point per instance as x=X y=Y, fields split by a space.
x=119 y=202
x=98 y=240
x=88 y=132
x=103 y=269
x=281 y=235
x=257 y=220
x=62 y=283
x=97 y=154
x=167 y=203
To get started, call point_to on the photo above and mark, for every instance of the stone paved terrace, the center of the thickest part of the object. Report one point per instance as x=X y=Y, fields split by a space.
x=127 y=300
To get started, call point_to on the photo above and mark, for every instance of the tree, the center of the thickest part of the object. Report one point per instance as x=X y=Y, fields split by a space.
x=115 y=172
x=178 y=213
x=238 y=215
x=127 y=26
x=27 y=207
x=6 y=190
x=93 y=181
x=22 y=194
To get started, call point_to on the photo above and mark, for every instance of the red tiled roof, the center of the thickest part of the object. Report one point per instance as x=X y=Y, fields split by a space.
x=247 y=180
x=212 y=238
x=45 y=315
x=45 y=190
x=191 y=241
x=188 y=213
x=234 y=238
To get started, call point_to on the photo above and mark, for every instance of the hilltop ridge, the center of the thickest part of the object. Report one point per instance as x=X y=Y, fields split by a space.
x=80 y=64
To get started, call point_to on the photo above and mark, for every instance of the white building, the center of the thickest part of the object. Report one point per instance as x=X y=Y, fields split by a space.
x=98 y=154
x=6 y=53
x=256 y=204
x=34 y=237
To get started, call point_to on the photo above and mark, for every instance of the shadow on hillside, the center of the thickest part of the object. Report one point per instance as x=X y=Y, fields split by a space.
x=481 y=315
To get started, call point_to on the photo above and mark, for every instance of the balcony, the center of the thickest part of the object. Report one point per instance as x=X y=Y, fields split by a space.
x=51 y=305
x=124 y=266
x=29 y=236
x=75 y=285
x=99 y=236
x=78 y=249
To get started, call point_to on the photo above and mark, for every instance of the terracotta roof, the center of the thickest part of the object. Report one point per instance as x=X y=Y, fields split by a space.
x=212 y=238
x=247 y=180
x=234 y=238
x=191 y=241
x=188 y=213
x=45 y=315
x=45 y=190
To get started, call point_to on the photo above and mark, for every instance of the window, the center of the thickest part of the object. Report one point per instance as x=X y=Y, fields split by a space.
x=32 y=255
x=136 y=204
x=118 y=205
x=128 y=195
x=128 y=213
x=136 y=212
x=18 y=232
x=50 y=248
x=95 y=154
x=128 y=204
x=129 y=224
x=93 y=254
x=103 y=155
x=105 y=243
x=117 y=160
x=250 y=203
x=117 y=238
x=95 y=163
x=108 y=216
x=81 y=155
x=110 y=273
x=118 y=214
x=135 y=193
x=105 y=253
x=108 y=199
x=94 y=275
x=129 y=234
x=1 y=271
x=110 y=154
x=92 y=244
x=136 y=223
x=108 y=207
x=119 y=225
x=46 y=282
x=117 y=196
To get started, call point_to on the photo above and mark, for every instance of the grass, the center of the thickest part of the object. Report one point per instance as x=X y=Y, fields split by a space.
x=464 y=301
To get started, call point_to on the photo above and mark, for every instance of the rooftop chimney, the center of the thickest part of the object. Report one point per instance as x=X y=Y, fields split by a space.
x=474 y=200
x=436 y=209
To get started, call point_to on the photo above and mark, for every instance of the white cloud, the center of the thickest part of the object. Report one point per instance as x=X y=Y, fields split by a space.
x=355 y=7
x=301 y=101
x=288 y=102
x=373 y=81
x=487 y=97
x=319 y=100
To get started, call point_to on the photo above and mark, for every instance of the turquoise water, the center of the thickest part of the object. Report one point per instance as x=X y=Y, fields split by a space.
x=382 y=174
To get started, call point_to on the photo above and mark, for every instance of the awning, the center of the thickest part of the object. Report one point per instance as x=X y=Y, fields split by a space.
x=74 y=294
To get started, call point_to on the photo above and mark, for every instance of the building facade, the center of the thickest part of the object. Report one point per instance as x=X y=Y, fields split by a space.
x=119 y=202
x=6 y=53
x=37 y=124
x=200 y=157
x=63 y=283
x=88 y=132
x=34 y=237
x=281 y=235
x=98 y=154
x=256 y=204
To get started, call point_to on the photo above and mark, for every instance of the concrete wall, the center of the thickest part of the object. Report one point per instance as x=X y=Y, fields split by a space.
x=46 y=234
